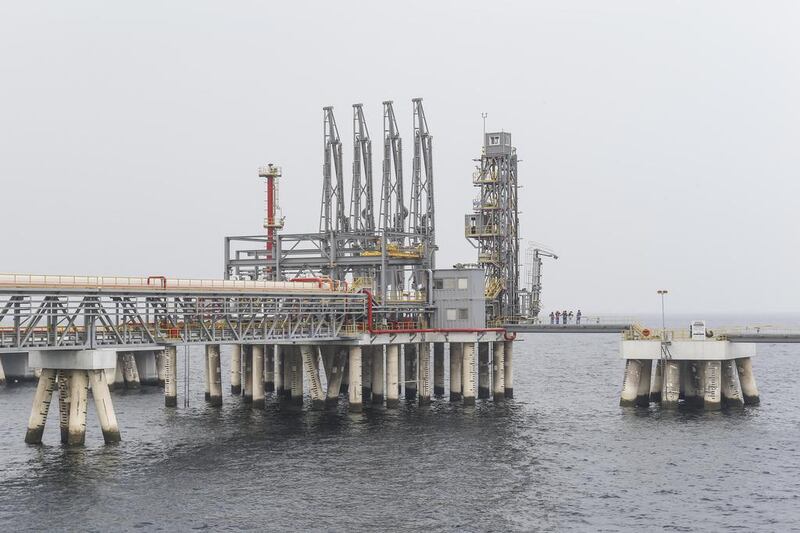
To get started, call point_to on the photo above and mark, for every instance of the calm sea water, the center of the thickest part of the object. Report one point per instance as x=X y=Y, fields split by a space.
x=561 y=456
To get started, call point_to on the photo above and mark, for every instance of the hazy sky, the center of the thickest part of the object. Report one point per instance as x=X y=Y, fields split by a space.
x=660 y=140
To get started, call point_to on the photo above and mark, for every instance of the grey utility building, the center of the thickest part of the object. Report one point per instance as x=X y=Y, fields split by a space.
x=458 y=298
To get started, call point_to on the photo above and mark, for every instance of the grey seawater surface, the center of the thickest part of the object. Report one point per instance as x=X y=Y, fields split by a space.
x=561 y=456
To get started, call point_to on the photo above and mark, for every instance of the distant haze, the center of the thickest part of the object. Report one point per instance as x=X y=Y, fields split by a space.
x=660 y=140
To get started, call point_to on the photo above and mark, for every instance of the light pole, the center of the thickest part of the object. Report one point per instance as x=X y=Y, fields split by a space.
x=663 y=292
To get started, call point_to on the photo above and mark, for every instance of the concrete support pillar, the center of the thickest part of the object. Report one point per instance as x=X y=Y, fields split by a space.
x=392 y=375
x=41 y=405
x=671 y=389
x=78 y=400
x=366 y=374
x=630 y=382
x=269 y=368
x=171 y=376
x=484 y=378
x=355 y=379
x=691 y=389
x=287 y=354
x=509 y=368
x=400 y=369
x=335 y=366
x=345 y=385
x=279 y=383
x=103 y=406
x=456 y=354
x=215 y=375
x=310 y=359
x=731 y=389
x=297 y=376
x=438 y=369
x=498 y=372
x=657 y=382
x=747 y=380
x=130 y=372
x=63 y=377
x=160 y=355
x=119 y=377
x=247 y=373
x=236 y=369
x=643 y=391
x=207 y=375
x=424 y=372
x=410 y=371
x=377 y=374
x=257 y=375
x=712 y=390
x=468 y=373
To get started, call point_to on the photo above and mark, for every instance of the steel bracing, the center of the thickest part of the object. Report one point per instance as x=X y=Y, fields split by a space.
x=332 y=215
x=393 y=210
x=493 y=226
x=391 y=256
x=362 y=213
x=85 y=318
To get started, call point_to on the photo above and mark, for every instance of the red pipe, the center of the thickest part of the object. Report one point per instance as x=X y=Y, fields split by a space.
x=424 y=330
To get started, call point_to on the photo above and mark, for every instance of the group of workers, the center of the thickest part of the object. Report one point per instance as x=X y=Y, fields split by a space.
x=564 y=317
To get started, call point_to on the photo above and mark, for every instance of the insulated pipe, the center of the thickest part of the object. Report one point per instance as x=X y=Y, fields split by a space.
x=456 y=354
x=392 y=379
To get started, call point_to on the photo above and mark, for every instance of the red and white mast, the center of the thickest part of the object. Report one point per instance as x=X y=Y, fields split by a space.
x=273 y=220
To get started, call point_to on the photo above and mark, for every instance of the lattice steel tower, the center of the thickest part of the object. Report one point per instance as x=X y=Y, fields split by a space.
x=493 y=226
